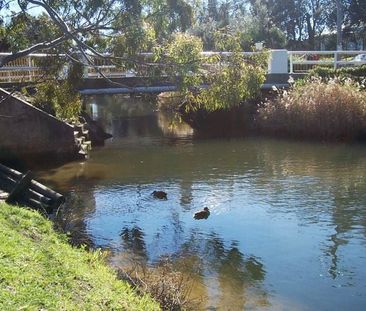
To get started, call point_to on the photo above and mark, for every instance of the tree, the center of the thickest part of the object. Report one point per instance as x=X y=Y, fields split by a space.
x=356 y=18
x=78 y=24
x=302 y=20
x=232 y=18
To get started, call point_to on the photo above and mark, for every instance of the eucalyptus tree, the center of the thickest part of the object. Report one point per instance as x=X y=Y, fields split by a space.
x=302 y=20
x=218 y=21
x=82 y=27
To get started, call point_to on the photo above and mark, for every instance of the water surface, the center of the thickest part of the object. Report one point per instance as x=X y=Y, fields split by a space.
x=287 y=225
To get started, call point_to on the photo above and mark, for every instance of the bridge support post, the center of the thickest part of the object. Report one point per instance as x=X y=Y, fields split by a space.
x=278 y=62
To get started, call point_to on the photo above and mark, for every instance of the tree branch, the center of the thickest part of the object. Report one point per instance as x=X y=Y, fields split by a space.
x=34 y=48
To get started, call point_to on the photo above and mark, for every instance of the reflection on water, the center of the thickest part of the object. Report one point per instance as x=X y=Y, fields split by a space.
x=287 y=228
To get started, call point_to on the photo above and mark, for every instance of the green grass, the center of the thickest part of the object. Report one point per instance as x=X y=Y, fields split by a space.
x=39 y=270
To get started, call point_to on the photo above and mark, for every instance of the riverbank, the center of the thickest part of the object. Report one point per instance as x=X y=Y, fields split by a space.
x=40 y=270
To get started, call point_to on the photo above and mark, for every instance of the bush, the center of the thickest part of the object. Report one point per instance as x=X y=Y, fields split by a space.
x=357 y=74
x=170 y=288
x=331 y=110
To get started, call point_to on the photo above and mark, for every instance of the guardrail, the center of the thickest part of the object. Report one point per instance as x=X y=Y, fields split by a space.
x=23 y=69
x=29 y=69
x=304 y=61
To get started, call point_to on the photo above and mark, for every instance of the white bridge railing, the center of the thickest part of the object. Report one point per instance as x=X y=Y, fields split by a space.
x=303 y=61
x=29 y=68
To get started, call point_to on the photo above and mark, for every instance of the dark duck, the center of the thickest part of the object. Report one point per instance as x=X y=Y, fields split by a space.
x=160 y=195
x=203 y=214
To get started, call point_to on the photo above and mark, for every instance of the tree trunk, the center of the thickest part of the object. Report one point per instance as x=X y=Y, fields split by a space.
x=311 y=32
x=339 y=24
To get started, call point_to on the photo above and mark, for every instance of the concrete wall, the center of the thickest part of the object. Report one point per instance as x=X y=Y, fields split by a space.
x=26 y=130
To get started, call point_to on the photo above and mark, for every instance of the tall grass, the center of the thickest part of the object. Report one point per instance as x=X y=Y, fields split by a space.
x=317 y=109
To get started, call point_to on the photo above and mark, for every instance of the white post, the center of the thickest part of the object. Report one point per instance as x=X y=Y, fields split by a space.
x=335 y=59
x=30 y=68
x=291 y=63
x=278 y=62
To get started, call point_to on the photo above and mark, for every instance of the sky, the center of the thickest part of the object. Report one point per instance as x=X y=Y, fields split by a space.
x=14 y=8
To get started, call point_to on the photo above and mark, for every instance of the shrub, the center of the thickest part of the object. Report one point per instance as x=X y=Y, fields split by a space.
x=357 y=74
x=320 y=110
x=171 y=289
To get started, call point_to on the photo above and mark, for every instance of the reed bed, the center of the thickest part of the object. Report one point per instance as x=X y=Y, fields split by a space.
x=331 y=110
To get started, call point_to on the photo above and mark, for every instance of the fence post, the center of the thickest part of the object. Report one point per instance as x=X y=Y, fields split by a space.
x=291 y=63
x=335 y=59
x=30 y=68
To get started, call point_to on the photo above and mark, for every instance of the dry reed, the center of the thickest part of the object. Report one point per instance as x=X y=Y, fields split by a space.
x=331 y=110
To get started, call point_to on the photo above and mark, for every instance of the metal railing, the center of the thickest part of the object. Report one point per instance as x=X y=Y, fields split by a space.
x=24 y=69
x=304 y=61
x=29 y=68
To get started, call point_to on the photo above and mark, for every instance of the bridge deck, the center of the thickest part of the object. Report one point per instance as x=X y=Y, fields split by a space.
x=130 y=85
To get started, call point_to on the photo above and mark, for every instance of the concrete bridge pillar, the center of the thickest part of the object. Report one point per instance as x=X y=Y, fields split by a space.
x=278 y=62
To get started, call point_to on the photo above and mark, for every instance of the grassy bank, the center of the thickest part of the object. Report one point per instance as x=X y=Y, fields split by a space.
x=39 y=270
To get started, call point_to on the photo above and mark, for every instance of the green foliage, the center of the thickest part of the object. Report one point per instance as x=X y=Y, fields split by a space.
x=323 y=110
x=41 y=271
x=59 y=99
x=52 y=66
x=230 y=79
x=220 y=23
x=224 y=40
x=183 y=56
x=136 y=38
x=168 y=16
x=75 y=76
x=236 y=80
x=56 y=95
x=25 y=30
x=357 y=74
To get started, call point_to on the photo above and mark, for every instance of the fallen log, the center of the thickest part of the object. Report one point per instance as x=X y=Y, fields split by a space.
x=19 y=188
x=23 y=189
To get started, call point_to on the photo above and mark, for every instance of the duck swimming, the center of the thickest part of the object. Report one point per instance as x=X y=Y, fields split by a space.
x=160 y=195
x=203 y=214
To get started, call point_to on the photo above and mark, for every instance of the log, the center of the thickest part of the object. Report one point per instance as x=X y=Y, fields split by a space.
x=7 y=183
x=20 y=188
x=35 y=185
x=3 y=195
x=31 y=194
x=7 y=178
x=39 y=205
x=10 y=171
x=38 y=187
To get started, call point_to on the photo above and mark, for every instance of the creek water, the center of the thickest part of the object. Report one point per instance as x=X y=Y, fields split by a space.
x=287 y=228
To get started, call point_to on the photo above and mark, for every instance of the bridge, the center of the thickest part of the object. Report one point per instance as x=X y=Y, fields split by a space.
x=281 y=65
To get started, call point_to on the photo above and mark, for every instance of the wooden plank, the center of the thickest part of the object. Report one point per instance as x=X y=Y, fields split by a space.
x=20 y=188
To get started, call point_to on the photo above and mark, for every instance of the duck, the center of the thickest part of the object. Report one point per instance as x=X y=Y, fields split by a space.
x=160 y=195
x=203 y=214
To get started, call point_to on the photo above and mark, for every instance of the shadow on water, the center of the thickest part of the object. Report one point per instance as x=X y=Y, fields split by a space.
x=287 y=225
